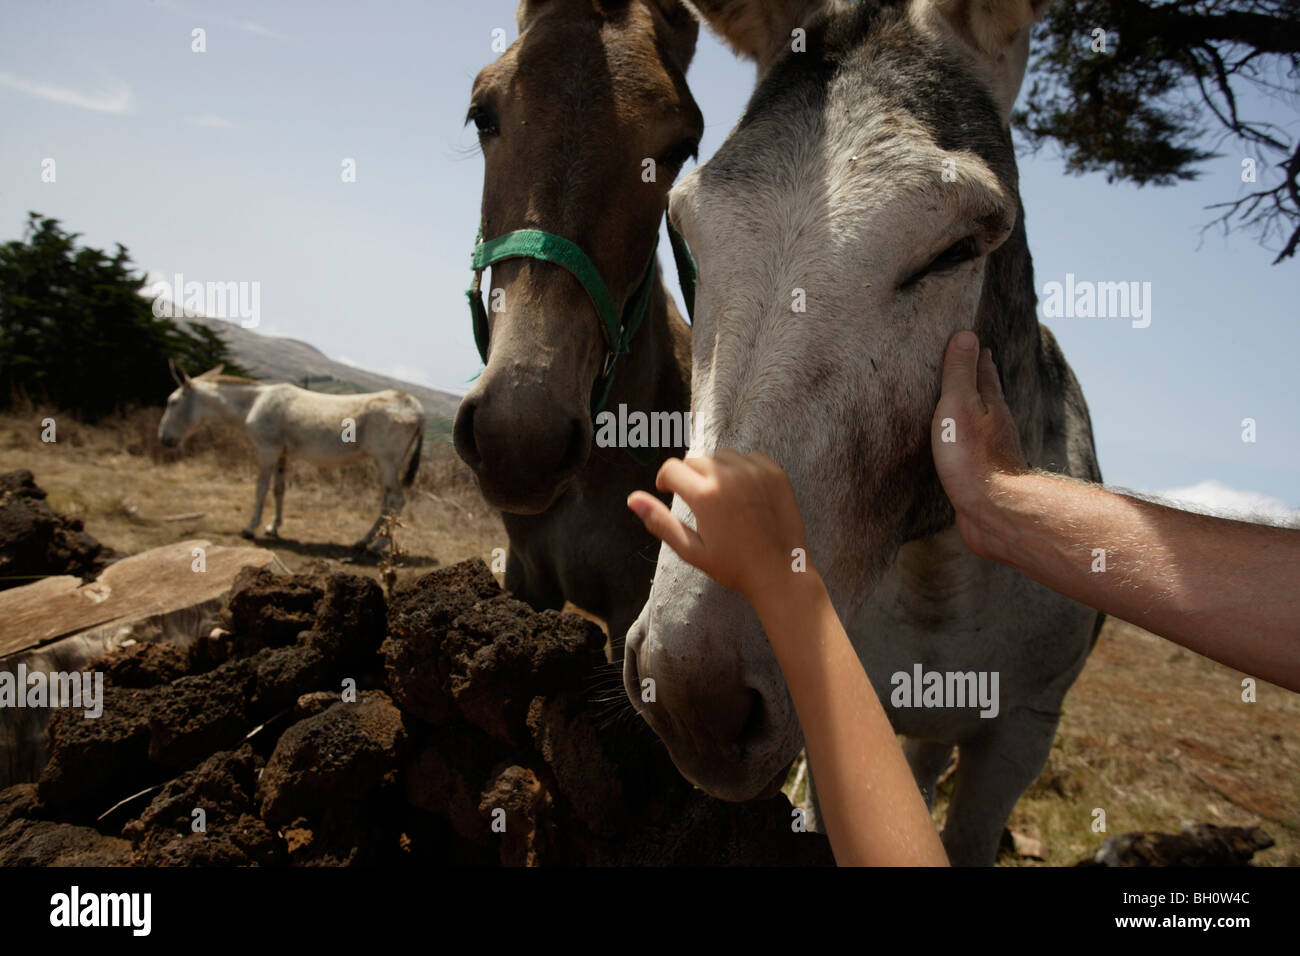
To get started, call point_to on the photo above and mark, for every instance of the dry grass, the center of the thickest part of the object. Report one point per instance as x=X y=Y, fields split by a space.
x=1152 y=734
x=1156 y=735
x=129 y=491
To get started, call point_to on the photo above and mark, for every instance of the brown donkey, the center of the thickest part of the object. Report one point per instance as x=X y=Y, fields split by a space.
x=584 y=123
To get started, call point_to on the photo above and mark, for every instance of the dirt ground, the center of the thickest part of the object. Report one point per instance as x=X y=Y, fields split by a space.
x=1152 y=734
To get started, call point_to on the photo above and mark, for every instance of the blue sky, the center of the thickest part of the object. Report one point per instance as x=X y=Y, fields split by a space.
x=226 y=166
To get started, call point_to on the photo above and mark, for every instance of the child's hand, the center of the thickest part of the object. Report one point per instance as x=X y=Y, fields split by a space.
x=747 y=521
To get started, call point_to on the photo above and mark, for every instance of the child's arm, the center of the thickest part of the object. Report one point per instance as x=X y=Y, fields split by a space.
x=747 y=524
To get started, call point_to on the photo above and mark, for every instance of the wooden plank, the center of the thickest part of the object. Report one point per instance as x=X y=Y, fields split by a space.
x=148 y=584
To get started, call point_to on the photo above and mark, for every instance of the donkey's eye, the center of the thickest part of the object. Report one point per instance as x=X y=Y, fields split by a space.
x=483 y=119
x=964 y=250
x=677 y=156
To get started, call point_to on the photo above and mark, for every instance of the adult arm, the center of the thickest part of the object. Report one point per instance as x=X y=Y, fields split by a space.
x=1225 y=589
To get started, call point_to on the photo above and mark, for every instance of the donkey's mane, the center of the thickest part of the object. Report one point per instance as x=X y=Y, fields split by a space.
x=224 y=379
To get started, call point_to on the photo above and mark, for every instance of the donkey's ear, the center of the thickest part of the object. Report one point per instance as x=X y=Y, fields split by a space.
x=759 y=29
x=213 y=372
x=178 y=374
x=683 y=30
x=993 y=36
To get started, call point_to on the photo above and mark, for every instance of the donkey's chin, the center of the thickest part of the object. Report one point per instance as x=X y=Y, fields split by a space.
x=514 y=498
x=733 y=783
x=741 y=771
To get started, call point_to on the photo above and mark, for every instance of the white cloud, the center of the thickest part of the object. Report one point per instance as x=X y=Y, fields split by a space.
x=117 y=101
x=1214 y=497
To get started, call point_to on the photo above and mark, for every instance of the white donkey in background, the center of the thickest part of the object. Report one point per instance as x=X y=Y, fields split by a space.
x=286 y=421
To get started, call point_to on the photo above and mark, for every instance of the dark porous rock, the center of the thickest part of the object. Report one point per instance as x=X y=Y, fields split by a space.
x=455 y=651
x=518 y=806
x=309 y=705
x=202 y=713
x=96 y=762
x=284 y=674
x=429 y=840
x=1198 y=844
x=269 y=610
x=46 y=843
x=613 y=773
x=211 y=650
x=709 y=832
x=222 y=787
x=349 y=623
x=472 y=577
x=569 y=740
x=145 y=664
x=36 y=541
x=146 y=735
x=418 y=617
x=342 y=754
x=505 y=740
x=17 y=803
x=333 y=784
x=198 y=715
x=446 y=777
x=502 y=654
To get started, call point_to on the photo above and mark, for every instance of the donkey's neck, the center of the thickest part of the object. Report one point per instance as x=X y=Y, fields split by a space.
x=656 y=375
x=231 y=401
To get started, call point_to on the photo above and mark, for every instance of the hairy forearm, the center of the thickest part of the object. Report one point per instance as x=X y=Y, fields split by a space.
x=1225 y=589
x=872 y=810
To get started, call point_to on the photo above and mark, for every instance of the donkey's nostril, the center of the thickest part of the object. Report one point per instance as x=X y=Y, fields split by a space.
x=631 y=672
x=726 y=718
x=755 y=722
x=575 y=452
x=463 y=433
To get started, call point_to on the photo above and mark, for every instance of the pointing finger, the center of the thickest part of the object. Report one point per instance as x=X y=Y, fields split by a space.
x=665 y=526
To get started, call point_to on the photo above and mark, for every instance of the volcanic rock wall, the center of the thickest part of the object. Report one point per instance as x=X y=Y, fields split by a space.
x=35 y=541
x=323 y=725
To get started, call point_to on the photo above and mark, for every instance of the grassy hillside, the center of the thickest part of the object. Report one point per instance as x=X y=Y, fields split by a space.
x=290 y=360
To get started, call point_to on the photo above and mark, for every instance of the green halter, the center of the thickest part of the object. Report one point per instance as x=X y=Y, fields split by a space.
x=618 y=330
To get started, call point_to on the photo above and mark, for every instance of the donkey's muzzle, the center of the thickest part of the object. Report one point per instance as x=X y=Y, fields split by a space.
x=522 y=450
x=724 y=728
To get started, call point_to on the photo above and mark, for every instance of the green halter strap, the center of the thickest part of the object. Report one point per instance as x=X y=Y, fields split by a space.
x=617 y=329
x=687 y=272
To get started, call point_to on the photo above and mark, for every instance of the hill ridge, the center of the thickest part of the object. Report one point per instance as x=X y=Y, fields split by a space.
x=274 y=359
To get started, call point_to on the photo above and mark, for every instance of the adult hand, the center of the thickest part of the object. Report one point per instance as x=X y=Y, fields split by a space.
x=973 y=436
